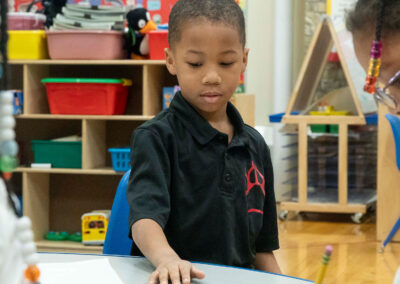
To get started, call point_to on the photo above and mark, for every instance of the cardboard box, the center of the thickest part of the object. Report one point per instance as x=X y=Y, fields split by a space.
x=246 y=106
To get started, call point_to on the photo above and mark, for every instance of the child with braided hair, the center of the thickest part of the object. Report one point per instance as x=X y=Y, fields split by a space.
x=382 y=61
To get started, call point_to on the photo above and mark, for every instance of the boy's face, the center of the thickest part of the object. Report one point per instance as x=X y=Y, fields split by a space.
x=208 y=61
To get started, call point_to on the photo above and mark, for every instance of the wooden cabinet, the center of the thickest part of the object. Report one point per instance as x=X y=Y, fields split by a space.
x=55 y=199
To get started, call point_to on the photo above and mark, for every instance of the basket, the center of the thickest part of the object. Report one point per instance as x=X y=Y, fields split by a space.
x=120 y=159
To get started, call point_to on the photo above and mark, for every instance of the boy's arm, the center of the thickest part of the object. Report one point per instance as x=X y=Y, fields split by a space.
x=267 y=240
x=149 y=200
x=151 y=240
x=266 y=261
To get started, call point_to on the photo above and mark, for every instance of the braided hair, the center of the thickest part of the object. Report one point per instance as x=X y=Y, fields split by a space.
x=379 y=20
x=359 y=19
x=386 y=13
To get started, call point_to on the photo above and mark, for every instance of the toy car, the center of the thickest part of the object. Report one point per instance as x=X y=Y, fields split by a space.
x=94 y=227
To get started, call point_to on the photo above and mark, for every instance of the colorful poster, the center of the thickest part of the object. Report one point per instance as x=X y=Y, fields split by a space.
x=159 y=9
x=22 y=5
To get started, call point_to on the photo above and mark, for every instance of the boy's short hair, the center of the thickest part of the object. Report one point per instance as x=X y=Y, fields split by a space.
x=216 y=11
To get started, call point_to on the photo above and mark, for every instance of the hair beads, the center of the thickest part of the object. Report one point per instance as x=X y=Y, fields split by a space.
x=376 y=51
x=374 y=66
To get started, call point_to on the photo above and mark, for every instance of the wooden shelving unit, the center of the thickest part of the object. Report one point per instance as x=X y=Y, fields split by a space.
x=310 y=74
x=86 y=117
x=55 y=199
x=71 y=247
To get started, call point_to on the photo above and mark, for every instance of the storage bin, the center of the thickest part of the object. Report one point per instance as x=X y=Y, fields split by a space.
x=158 y=41
x=87 y=96
x=25 y=21
x=27 y=45
x=120 y=159
x=319 y=128
x=60 y=154
x=86 y=44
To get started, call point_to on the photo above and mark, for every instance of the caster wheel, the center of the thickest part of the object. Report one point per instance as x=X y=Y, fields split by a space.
x=357 y=218
x=283 y=215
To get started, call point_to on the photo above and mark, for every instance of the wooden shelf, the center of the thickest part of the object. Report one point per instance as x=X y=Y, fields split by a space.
x=88 y=117
x=324 y=207
x=53 y=198
x=67 y=246
x=87 y=62
x=100 y=171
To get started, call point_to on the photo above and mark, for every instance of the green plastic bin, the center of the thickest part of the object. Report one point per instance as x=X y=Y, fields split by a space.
x=319 y=128
x=60 y=154
x=334 y=128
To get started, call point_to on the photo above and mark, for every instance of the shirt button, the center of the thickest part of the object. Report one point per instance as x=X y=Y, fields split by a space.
x=228 y=177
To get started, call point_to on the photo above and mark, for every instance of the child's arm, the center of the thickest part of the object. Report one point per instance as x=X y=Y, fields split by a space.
x=265 y=261
x=151 y=240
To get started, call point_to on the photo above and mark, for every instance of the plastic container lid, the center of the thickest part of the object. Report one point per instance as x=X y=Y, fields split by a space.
x=35 y=16
x=84 y=32
x=125 y=82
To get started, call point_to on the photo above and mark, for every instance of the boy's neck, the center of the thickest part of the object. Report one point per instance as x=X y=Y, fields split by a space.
x=220 y=121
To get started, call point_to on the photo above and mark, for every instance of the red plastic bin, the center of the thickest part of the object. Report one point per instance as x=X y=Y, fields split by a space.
x=158 y=41
x=87 y=96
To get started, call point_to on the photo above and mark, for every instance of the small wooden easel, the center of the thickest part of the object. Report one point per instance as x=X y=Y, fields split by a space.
x=310 y=74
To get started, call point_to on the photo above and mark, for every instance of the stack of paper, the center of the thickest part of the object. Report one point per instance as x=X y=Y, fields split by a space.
x=83 y=16
x=97 y=271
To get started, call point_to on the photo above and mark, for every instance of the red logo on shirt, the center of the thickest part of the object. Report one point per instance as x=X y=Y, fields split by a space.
x=258 y=183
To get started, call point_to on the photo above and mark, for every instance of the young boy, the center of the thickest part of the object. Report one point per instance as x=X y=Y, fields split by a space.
x=201 y=186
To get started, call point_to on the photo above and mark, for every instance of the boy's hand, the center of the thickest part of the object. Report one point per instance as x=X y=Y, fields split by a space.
x=175 y=269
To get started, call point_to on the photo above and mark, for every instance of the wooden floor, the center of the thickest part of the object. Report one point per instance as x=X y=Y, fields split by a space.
x=354 y=259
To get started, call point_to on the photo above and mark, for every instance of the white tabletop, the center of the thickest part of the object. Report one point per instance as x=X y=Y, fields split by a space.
x=137 y=270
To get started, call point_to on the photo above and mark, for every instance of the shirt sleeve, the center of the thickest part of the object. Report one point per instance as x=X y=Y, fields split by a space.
x=148 y=186
x=268 y=238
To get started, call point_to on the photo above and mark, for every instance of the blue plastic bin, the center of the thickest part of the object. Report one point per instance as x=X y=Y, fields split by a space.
x=120 y=159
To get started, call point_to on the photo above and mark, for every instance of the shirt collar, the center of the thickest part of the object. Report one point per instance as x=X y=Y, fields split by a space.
x=199 y=127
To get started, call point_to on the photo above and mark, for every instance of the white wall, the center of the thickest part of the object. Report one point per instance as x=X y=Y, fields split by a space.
x=259 y=77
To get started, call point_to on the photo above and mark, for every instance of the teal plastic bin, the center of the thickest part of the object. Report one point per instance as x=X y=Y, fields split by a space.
x=60 y=154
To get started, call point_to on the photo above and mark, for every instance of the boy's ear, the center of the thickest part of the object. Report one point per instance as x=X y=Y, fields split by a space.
x=245 y=59
x=170 y=61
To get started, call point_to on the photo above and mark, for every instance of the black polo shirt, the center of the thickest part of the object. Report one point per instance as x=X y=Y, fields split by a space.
x=215 y=201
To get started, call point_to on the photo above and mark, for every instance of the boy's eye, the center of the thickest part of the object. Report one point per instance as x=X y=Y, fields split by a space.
x=195 y=65
x=226 y=63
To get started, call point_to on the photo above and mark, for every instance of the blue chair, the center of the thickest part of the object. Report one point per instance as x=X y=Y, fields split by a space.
x=395 y=123
x=117 y=240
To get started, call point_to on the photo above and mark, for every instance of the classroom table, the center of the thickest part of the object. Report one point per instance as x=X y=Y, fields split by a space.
x=137 y=270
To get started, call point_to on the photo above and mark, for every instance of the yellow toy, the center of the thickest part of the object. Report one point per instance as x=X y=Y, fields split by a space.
x=94 y=227
x=324 y=109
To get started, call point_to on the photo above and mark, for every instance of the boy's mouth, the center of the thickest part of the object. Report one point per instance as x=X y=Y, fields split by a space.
x=210 y=97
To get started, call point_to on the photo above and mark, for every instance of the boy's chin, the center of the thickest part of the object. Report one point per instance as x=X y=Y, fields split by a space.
x=211 y=108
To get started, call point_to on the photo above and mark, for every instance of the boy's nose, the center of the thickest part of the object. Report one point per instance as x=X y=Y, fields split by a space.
x=211 y=78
